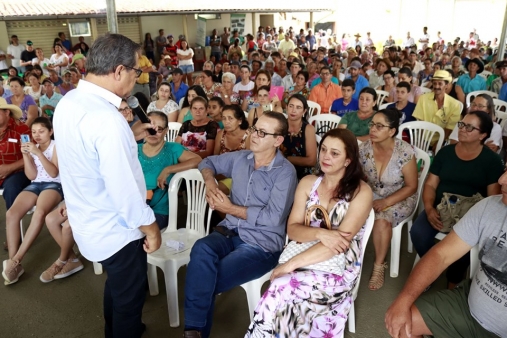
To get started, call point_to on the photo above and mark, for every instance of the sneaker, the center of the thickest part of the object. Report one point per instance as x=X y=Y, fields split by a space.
x=49 y=275
x=12 y=271
x=70 y=268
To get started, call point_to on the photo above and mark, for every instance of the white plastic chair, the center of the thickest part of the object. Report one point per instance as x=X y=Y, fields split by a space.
x=470 y=97
x=381 y=95
x=440 y=236
x=364 y=242
x=180 y=104
x=313 y=108
x=397 y=231
x=384 y=106
x=167 y=259
x=474 y=260
x=421 y=133
x=500 y=105
x=425 y=90
x=21 y=220
x=395 y=70
x=324 y=123
x=172 y=131
x=501 y=118
x=486 y=74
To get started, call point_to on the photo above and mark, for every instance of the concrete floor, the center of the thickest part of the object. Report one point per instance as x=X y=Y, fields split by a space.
x=72 y=307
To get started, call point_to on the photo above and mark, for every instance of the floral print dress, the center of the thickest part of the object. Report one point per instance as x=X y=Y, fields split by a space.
x=391 y=181
x=310 y=303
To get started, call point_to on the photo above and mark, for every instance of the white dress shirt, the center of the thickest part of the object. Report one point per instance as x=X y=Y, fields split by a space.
x=102 y=179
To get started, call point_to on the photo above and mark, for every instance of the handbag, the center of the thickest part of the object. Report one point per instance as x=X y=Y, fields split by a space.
x=334 y=265
x=453 y=207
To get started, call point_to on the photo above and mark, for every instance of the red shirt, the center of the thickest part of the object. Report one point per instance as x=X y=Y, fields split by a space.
x=10 y=142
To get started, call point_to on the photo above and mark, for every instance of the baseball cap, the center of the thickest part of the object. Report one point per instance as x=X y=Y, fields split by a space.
x=355 y=64
x=29 y=43
x=170 y=36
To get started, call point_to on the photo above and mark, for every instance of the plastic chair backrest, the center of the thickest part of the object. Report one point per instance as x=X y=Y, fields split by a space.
x=425 y=167
x=196 y=200
x=421 y=133
x=425 y=90
x=364 y=242
x=500 y=105
x=474 y=260
x=324 y=122
x=313 y=108
x=381 y=95
x=501 y=118
x=384 y=106
x=472 y=95
x=395 y=70
x=172 y=131
x=181 y=102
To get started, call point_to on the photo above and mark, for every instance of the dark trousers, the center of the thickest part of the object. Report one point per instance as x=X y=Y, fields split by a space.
x=13 y=185
x=125 y=291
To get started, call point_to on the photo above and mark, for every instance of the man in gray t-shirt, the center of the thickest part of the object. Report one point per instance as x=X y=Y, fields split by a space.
x=475 y=308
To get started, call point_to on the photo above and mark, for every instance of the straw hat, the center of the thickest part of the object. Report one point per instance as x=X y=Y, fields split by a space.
x=442 y=75
x=15 y=110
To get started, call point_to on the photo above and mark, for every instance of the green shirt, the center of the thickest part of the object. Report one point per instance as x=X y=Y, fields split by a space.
x=152 y=167
x=355 y=124
x=465 y=178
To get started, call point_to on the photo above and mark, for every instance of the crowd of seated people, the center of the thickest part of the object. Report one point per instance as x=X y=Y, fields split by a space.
x=234 y=107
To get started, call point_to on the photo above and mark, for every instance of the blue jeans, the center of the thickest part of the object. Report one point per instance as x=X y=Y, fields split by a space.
x=13 y=185
x=423 y=235
x=218 y=264
x=125 y=291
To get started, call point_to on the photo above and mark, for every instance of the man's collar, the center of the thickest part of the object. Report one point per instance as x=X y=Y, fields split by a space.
x=89 y=87
x=276 y=162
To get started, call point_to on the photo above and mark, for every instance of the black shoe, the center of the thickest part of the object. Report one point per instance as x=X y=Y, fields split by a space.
x=191 y=334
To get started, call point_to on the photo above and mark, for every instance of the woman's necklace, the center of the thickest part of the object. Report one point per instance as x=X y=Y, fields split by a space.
x=299 y=133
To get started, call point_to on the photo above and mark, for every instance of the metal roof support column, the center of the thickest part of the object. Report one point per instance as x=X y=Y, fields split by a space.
x=501 y=42
x=185 y=26
x=112 y=21
x=311 y=22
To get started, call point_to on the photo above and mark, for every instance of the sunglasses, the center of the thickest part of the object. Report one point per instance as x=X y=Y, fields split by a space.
x=320 y=216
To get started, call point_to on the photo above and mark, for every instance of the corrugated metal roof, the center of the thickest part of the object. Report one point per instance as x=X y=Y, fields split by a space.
x=28 y=8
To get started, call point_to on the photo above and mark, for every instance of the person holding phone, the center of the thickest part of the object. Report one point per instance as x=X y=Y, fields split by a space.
x=41 y=166
x=265 y=104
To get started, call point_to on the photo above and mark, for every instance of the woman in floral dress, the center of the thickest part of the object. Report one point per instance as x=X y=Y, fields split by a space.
x=313 y=303
x=389 y=163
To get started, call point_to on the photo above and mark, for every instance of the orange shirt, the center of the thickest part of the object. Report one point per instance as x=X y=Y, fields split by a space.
x=325 y=97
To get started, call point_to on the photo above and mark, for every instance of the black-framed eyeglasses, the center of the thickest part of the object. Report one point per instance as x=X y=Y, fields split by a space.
x=320 y=216
x=160 y=130
x=124 y=110
x=262 y=133
x=137 y=70
x=378 y=126
x=468 y=127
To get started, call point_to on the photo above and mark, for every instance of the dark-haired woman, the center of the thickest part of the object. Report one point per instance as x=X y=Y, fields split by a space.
x=234 y=137
x=25 y=102
x=185 y=63
x=148 y=46
x=192 y=92
x=263 y=103
x=160 y=160
x=465 y=168
x=299 y=87
x=305 y=302
x=358 y=122
x=389 y=163
x=165 y=102
x=299 y=144
x=208 y=85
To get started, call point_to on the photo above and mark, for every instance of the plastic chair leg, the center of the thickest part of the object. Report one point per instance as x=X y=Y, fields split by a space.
x=352 y=319
x=21 y=230
x=253 y=290
x=410 y=245
x=152 y=279
x=395 y=251
x=97 y=268
x=417 y=258
x=171 y=289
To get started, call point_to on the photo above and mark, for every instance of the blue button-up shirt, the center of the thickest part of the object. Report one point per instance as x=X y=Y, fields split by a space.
x=6 y=93
x=503 y=92
x=53 y=101
x=471 y=85
x=361 y=83
x=181 y=92
x=267 y=192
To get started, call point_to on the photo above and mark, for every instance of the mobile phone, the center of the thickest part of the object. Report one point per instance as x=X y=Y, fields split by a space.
x=267 y=107
x=25 y=138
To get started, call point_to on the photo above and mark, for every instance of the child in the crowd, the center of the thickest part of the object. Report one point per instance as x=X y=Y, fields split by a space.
x=347 y=103
x=67 y=263
x=404 y=105
x=45 y=192
x=215 y=106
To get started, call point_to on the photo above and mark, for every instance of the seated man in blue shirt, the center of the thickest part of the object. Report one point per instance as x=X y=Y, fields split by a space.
x=248 y=242
x=402 y=90
x=472 y=81
x=345 y=104
x=360 y=80
x=178 y=87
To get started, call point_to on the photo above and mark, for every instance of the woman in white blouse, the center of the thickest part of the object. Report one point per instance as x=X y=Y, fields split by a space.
x=185 y=63
x=165 y=102
x=58 y=61
x=35 y=89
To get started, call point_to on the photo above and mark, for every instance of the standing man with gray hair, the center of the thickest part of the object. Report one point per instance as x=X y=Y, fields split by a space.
x=103 y=181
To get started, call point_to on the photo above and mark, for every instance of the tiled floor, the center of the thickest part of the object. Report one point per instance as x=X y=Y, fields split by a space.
x=72 y=307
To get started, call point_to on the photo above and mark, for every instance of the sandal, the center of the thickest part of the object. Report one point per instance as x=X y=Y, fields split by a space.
x=377 y=276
